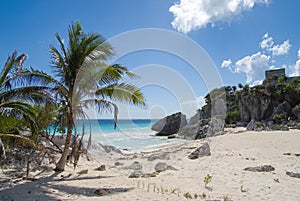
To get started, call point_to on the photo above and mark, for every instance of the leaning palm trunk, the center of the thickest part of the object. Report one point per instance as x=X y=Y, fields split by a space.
x=2 y=150
x=60 y=166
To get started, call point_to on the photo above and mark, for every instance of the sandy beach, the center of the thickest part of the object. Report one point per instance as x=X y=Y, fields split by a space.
x=231 y=153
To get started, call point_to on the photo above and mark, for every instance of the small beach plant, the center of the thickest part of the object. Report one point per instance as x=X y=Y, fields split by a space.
x=207 y=180
x=187 y=195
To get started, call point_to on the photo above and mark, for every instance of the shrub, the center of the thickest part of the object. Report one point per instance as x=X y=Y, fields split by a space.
x=232 y=117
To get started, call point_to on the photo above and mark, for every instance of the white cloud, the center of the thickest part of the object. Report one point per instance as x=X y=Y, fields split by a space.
x=280 y=49
x=295 y=69
x=226 y=63
x=196 y=14
x=267 y=42
x=253 y=66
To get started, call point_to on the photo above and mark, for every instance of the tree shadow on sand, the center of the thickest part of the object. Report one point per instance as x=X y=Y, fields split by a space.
x=51 y=188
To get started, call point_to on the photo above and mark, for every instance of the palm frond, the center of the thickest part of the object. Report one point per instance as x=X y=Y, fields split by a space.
x=123 y=93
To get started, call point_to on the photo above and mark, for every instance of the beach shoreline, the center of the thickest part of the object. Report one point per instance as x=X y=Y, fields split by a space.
x=231 y=153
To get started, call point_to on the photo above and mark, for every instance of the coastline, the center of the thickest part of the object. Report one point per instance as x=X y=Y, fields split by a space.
x=231 y=153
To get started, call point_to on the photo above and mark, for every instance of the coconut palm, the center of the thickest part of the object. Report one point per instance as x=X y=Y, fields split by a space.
x=83 y=79
x=18 y=91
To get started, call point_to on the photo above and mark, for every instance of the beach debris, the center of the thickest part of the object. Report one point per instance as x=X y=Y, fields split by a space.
x=135 y=166
x=83 y=172
x=161 y=167
x=243 y=190
x=162 y=156
x=264 y=168
x=290 y=154
x=292 y=174
x=203 y=150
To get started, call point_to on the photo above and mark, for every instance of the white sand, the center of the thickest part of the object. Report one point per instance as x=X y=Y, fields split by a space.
x=230 y=154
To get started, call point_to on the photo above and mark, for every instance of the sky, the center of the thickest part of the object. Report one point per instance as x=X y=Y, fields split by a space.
x=242 y=38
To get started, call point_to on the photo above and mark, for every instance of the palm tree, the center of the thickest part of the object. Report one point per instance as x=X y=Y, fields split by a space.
x=18 y=91
x=83 y=79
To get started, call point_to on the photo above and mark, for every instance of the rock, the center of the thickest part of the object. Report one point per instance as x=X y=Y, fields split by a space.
x=285 y=128
x=163 y=156
x=136 y=174
x=170 y=124
x=101 y=192
x=251 y=125
x=264 y=168
x=161 y=167
x=241 y=124
x=83 y=171
x=135 y=166
x=118 y=163
x=292 y=174
x=100 y=168
x=202 y=129
x=192 y=132
x=203 y=150
x=282 y=108
x=296 y=111
x=152 y=174
x=255 y=126
x=215 y=127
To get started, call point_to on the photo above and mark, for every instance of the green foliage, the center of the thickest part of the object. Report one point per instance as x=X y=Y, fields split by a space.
x=279 y=118
x=260 y=124
x=232 y=117
x=10 y=125
x=17 y=141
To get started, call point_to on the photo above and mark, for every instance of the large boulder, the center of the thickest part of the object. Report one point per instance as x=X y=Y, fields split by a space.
x=202 y=129
x=170 y=124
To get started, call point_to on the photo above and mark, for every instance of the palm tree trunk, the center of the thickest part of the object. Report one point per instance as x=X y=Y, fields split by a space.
x=60 y=166
x=2 y=150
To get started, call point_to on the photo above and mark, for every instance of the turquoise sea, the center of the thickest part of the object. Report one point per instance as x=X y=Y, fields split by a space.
x=132 y=135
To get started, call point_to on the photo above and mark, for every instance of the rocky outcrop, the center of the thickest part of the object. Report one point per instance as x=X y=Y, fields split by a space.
x=202 y=129
x=203 y=150
x=254 y=107
x=170 y=124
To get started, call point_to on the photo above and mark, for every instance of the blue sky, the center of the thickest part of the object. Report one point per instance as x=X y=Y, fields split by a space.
x=242 y=37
